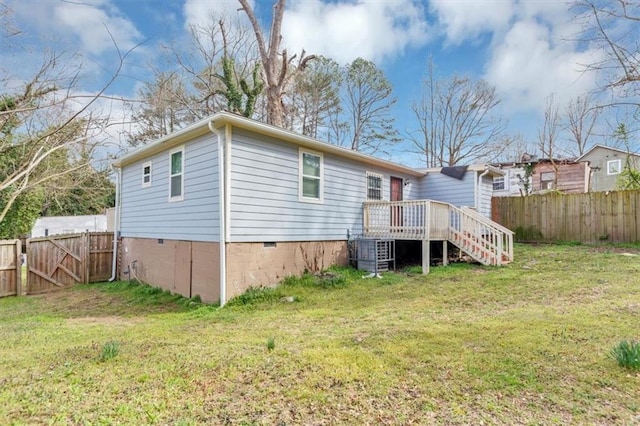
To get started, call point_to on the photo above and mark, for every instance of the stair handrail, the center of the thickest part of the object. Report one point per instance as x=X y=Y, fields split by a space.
x=505 y=235
x=489 y=222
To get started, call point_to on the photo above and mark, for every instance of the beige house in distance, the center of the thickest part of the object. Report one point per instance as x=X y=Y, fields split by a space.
x=606 y=164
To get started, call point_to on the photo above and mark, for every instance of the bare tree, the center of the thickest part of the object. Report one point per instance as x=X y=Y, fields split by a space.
x=548 y=142
x=456 y=123
x=614 y=25
x=162 y=108
x=581 y=119
x=368 y=103
x=277 y=66
x=214 y=65
x=45 y=128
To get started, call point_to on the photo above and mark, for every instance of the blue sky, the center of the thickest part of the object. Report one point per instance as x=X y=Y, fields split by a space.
x=522 y=47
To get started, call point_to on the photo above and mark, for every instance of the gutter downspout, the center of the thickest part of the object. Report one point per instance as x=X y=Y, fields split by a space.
x=116 y=225
x=221 y=214
x=479 y=189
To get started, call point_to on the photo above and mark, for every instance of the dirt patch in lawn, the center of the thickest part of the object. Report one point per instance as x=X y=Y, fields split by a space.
x=84 y=303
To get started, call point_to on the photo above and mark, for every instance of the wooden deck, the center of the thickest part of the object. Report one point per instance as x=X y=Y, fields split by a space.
x=426 y=220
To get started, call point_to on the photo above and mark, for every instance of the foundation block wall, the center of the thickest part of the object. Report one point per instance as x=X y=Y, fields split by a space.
x=188 y=268
x=266 y=264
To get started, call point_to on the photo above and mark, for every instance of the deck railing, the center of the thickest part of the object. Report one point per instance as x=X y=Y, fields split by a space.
x=486 y=241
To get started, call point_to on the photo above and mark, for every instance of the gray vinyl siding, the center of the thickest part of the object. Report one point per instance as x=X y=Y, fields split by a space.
x=147 y=212
x=264 y=194
x=439 y=187
x=598 y=159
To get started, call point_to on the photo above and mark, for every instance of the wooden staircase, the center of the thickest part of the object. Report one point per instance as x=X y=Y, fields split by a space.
x=482 y=239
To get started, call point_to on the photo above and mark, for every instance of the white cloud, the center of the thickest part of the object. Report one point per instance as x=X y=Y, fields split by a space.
x=94 y=23
x=199 y=12
x=374 y=30
x=530 y=52
x=527 y=65
x=466 y=20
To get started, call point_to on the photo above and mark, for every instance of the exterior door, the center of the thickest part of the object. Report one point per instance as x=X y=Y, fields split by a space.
x=396 y=211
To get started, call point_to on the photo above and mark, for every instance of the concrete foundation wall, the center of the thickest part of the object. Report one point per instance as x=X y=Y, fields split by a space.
x=257 y=265
x=188 y=268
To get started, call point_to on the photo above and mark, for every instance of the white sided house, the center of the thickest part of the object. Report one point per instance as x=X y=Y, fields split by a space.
x=55 y=225
x=230 y=203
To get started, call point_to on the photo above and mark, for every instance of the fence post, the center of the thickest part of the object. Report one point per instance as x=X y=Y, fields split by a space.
x=86 y=242
x=18 y=249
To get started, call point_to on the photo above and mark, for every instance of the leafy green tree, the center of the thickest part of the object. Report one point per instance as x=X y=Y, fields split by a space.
x=367 y=104
x=629 y=177
x=315 y=97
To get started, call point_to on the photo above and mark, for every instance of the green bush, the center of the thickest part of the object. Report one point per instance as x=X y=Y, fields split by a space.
x=627 y=354
x=271 y=343
x=255 y=295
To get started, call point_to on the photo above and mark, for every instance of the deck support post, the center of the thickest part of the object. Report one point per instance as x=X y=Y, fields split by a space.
x=445 y=254
x=426 y=256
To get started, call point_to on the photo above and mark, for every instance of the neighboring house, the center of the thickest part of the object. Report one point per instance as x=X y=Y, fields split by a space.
x=512 y=181
x=606 y=164
x=230 y=203
x=566 y=176
x=54 y=225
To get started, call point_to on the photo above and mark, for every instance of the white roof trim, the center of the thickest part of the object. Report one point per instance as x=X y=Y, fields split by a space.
x=610 y=148
x=221 y=118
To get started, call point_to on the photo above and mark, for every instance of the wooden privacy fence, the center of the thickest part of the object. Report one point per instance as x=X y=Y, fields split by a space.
x=10 y=268
x=55 y=262
x=588 y=218
x=63 y=260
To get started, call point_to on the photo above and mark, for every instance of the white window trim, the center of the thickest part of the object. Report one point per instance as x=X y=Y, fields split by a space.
x=301 y=197
x=504 y=183
x=610 y=163
x=181 y=196
x=145 y=165
x=377 y=175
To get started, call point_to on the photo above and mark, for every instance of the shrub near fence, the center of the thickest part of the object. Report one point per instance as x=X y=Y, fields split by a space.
x=588 y=218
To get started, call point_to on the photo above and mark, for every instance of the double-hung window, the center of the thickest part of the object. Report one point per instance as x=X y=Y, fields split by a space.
x=146 y=174
x=311 y=177
x=498 y=183
x=374 y=186
x=176 y=174
x=614 y=167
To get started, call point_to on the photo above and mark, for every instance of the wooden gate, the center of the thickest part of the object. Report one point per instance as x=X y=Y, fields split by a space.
x=63 y=260
x=10 y=268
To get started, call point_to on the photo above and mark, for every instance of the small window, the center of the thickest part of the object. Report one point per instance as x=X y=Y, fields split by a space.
x=374 y=186
x=176 y=175
x=310 y=177
x=146 y=174
x=614 y=167
x=498 y=183
x=547 y=180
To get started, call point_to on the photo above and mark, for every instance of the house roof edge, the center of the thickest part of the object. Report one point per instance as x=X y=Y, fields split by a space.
x=222 y=118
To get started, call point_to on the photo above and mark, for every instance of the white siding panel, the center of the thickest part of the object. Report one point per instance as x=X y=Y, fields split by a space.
x=264 y=194
x=485 y=194
x=147 y=213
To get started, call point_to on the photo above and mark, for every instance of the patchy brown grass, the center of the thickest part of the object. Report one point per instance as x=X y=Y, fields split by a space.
x=523 y=344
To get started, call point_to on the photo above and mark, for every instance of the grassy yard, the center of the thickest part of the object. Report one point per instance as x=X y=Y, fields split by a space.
x=523 y=344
